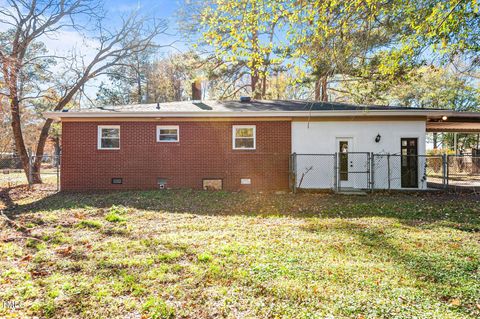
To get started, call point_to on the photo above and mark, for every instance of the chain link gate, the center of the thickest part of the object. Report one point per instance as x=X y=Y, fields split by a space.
x=353 y=171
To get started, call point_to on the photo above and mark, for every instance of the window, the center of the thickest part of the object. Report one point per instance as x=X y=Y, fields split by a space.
x=168 y=133
x=109 y=137
x=244 y=137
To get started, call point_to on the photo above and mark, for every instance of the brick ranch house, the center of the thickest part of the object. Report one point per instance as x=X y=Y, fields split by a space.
x=235 y=145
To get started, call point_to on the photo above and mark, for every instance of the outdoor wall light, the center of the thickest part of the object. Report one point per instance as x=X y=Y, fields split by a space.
x=378 y=138
x=444 y=118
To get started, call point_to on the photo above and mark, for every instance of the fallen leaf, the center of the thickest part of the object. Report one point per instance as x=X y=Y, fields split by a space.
x=26 y=258
x=79 y=215
x=64 y=251
x=455 y=302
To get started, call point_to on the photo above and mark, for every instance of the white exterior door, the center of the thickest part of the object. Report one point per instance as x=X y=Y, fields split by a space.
x=345 y=163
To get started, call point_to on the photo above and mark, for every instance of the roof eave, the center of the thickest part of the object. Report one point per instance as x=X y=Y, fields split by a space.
x=160 y=114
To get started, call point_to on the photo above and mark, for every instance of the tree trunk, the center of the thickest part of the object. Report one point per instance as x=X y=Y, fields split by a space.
x=321 y=93
x=254 y=84
x=264 y=86
x=18 y=135
x=42 y=139
x=255 y=77
x=317 y=90
x=435 y=141
x=139 y=89
x=324 y=89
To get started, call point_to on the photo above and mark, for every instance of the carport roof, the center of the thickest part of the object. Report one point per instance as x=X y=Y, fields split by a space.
x=458 y=122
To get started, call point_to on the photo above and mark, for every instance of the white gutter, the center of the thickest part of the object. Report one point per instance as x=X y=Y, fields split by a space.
x=59 y=115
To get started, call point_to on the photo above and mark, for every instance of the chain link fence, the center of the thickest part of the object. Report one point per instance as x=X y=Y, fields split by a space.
x=13 y=175
x=368 y=171
x=313 y=171
x=395 y=171
x=463 y=170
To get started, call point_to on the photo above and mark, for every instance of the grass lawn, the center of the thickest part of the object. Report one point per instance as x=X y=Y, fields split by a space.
x=194 y=254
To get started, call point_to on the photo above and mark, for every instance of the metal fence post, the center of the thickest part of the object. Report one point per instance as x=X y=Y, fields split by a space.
x=372 y=165
x=336 y=181
x=446 y=169
x=388 y=172
x=294 y=172
x=57 y=164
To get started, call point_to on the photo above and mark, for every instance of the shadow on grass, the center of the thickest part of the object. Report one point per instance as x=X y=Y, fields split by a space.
x=444 y=275
x=6 y=197
x=458 y=211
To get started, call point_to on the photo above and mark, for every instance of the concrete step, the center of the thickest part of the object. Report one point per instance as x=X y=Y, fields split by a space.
x=352 y=191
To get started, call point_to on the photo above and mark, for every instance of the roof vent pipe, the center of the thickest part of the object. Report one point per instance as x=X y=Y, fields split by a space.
x=158 y=106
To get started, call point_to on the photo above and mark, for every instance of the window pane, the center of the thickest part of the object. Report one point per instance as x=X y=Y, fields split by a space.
x=110 y=132
x=244 y=143
x=343 y=146
x=244 y=132
x=168 y=137
x=168 y=131
x=110 y=143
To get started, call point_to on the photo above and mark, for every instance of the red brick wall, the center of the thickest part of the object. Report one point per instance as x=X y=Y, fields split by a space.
x=204 y=151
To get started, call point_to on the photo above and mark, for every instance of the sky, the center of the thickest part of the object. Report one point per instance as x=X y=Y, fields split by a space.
x=160 y=9
x=164 y=9
x=66 y=40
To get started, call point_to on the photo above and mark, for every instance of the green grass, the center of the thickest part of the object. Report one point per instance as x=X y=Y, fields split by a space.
x=189 y=254
x=11 y=178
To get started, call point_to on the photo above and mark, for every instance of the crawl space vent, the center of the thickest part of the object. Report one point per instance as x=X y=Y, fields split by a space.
x=212 y=184
x=117 y=180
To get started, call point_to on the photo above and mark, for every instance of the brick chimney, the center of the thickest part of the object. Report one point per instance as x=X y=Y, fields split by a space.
x=196 y=90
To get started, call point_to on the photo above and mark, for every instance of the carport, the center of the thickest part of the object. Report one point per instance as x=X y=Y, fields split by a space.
x=461 y=169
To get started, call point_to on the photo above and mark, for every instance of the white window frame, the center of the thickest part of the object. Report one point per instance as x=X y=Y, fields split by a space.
x=168 y=127
x=99 y=137
x=234 y=130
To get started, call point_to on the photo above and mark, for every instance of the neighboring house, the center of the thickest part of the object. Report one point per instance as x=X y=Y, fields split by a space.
x=237 y=145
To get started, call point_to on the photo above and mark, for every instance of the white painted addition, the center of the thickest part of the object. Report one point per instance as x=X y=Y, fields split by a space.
x=323 y=138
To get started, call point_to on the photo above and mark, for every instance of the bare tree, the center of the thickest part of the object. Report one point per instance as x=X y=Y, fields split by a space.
x=30 y=21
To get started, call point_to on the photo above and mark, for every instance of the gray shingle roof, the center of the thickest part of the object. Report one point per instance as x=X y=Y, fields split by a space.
x=237 y=106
